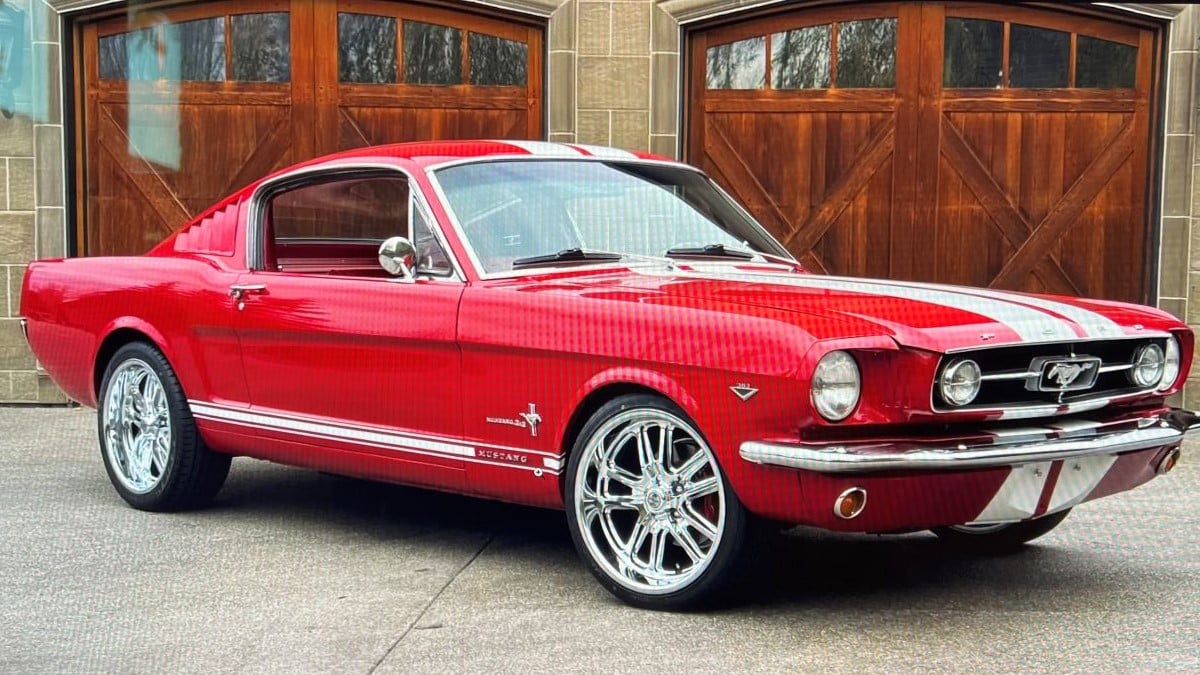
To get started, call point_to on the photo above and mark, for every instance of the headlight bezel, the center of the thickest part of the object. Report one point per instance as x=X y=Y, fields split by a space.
x=820 y=385
x=951 y=370
x=1172 y=364
x=1137 y=365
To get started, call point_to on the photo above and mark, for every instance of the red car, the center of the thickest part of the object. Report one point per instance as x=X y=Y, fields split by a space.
x=581 y=327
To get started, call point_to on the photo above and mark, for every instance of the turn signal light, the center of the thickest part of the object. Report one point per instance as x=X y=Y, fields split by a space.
x=1169 y=461
x=850 y=503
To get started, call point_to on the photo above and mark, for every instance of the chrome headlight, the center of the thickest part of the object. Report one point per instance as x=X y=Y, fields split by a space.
x=1148 y=366
x=1170 y=365
x=960 y=382
x=836 y=386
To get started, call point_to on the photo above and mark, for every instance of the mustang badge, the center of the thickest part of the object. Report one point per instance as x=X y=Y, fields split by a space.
x=529 y=420
x=1066 y=373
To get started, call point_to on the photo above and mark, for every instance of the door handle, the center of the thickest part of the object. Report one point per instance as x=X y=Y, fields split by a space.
x=239 y=291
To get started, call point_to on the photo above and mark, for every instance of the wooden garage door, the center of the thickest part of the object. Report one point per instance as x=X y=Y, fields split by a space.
x=183 y=106
x=973 y=144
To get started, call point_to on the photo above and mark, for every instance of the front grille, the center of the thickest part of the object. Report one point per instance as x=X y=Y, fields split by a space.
x=1009 y=373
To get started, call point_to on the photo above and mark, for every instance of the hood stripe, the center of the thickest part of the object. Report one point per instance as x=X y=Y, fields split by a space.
x=1030 y=324
x=1094 y=325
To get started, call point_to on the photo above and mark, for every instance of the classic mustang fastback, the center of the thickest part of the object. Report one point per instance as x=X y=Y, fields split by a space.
x=575 y=326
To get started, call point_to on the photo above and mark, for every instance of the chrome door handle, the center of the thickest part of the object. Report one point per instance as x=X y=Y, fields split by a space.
x=239 y=291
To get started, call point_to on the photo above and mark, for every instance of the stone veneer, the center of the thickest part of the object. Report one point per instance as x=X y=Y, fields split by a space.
x=612 y=79
x=614 y=75
x=32 y=196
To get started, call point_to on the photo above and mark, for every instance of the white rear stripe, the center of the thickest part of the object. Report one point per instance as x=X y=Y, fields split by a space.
x=605 y=153
x=544 y=149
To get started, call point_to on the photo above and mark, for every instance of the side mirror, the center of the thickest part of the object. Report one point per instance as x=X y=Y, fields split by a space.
x=398 y=256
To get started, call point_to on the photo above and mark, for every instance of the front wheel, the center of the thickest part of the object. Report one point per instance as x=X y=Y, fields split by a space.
x=152 y=451
x=649 y=509
x=999 y=538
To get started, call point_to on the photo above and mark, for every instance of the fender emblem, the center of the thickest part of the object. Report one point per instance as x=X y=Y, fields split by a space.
x=532 y=418
x=743 y=391
x=527 y=420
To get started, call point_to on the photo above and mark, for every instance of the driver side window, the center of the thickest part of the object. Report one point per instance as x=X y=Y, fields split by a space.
x=334 y=226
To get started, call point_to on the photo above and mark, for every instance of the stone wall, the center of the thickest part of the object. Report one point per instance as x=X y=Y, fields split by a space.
x=614 y=75
x=32 y=196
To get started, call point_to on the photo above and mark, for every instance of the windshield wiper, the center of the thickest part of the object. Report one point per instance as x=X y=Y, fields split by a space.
x=567 y=255
x=713 y=250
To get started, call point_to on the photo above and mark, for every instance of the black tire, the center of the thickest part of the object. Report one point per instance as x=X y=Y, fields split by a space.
x=193 y=474
x=1004 y=540
x=708 y=583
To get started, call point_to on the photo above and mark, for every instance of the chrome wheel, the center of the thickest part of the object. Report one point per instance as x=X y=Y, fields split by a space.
x=137 y=426
x=650 y=502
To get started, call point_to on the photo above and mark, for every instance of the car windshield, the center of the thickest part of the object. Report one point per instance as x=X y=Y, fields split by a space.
x=520 y=211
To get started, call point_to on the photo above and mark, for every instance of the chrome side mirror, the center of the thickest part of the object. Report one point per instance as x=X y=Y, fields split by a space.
x=398 y=257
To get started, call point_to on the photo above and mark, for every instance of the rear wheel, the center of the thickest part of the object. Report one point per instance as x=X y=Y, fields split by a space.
x=650 y=511
x=152 y=452
x=1001 y=537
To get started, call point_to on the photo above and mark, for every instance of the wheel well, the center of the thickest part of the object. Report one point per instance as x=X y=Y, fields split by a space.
x=114 y=341
x=588 y=407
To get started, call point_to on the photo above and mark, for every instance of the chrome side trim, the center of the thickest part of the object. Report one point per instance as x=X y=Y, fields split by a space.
x=257 y=210
x=1157 y=431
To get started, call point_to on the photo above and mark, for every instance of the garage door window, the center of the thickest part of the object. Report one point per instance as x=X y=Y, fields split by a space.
x=857 y=54
x=1038 y=58
x=366 y=48
x=195 y=51
x=800 y=58
x=432 y=53
x=262 y=47
x=189 y=51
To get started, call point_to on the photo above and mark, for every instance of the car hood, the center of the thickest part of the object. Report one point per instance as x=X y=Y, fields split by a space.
x=924 y=316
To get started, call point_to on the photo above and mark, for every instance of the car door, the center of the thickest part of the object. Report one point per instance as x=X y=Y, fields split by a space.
x=348 y=367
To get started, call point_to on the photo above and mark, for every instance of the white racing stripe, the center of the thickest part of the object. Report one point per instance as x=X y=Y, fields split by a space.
x=545 y=149
x=1094 y=325
x=1029 y=323
x=605 y=153
x=1077 y=480
x=377 y=438
x=1017 y=498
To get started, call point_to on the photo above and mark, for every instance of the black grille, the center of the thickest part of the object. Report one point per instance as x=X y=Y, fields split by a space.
x=1018 y=361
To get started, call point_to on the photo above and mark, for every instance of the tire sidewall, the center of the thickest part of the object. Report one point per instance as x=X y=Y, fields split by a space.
x=706 y=587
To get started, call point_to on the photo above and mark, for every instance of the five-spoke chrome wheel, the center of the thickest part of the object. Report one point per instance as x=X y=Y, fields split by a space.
x=137 y=426
x=649 y=506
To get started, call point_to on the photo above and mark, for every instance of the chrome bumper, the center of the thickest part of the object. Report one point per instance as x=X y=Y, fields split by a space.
x=1152 y=432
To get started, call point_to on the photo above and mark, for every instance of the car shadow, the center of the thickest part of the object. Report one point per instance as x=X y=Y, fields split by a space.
x=806 y=567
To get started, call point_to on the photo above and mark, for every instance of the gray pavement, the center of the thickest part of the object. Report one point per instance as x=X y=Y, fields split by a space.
x=294 y=571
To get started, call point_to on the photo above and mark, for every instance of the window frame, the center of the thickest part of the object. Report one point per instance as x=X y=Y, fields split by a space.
x=260 y=200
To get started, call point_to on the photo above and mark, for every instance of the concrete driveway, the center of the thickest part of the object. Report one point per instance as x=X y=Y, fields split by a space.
x=294 y=571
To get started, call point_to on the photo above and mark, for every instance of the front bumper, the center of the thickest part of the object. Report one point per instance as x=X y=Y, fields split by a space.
x=1006 y=448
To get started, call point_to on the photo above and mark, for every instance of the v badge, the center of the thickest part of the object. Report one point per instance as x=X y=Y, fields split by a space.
x=743 y=391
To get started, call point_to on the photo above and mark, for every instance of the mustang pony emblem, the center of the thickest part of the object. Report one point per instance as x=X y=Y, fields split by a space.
x=532 y=418
x=1066 y=373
